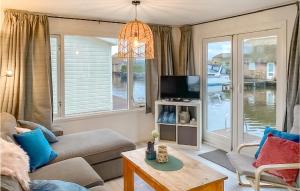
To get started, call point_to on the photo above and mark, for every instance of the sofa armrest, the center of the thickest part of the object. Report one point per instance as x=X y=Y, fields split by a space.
x=9 y=184
x=242 y=146
x=57 y=131
x=75 y=170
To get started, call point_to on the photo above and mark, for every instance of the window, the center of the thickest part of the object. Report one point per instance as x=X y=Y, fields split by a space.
x=252 y=66
x=94 y=79
x=270 y=71
x=139 y=81
x=54 y=64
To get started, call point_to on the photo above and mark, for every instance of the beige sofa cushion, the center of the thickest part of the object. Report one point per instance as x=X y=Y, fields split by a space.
x=98 y=188
x=75 y=170
x=243 y=164
x=94 y=146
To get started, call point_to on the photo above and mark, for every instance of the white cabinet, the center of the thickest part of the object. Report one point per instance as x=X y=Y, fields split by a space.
x=181 y=132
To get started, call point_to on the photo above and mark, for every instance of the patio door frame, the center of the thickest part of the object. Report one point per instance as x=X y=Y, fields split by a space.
x=237 y=85
x=280 y=79
x=219 y=141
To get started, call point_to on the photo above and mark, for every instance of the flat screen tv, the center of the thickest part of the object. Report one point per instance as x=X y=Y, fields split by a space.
x=182 y=87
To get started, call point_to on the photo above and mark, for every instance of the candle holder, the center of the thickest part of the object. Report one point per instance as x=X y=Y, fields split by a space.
x=162 y=154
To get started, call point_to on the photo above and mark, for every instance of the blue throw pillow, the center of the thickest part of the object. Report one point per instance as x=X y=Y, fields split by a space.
x=54 y=185
x=37 y=148
x=51 y=138
x=276 y=133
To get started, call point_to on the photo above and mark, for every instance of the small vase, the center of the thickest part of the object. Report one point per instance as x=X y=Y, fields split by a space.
x=150 y=152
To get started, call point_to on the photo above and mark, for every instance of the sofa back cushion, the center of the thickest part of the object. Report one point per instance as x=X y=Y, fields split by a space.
x=7 y=126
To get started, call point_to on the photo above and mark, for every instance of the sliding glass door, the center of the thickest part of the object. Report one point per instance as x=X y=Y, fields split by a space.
x=241 y=87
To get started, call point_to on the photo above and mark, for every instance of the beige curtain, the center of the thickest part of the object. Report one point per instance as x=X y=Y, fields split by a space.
x=162 y=64
x=25 y=49
x=293 y=81
x=186 y=65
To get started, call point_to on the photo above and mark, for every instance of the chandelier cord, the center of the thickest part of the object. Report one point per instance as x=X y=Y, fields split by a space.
x=135 y=11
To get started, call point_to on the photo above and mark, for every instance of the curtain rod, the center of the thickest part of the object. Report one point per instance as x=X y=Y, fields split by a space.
x=119 y=22
x=258 y=11
x=82 y=19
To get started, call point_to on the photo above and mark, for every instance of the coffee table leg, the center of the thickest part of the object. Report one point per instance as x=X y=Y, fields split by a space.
x=128 y=176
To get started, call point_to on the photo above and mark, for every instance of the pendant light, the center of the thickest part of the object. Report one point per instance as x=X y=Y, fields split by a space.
x=135 y=39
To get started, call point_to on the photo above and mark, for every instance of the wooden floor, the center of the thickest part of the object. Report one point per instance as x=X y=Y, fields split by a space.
x=230 y=184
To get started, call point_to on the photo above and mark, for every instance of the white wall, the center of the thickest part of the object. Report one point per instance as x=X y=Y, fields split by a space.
x=136 y=125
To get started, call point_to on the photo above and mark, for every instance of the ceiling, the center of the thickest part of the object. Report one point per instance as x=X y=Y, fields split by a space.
x=169 y=12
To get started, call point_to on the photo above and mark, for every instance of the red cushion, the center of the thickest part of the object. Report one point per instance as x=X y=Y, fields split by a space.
x=280 y=151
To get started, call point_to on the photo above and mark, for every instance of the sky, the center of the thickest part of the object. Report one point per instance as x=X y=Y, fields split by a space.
x=215 y=48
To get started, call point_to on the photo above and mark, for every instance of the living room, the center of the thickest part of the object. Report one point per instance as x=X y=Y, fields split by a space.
x=143 y=95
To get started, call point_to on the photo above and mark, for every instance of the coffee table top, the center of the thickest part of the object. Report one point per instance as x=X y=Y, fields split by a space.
x=194 y=174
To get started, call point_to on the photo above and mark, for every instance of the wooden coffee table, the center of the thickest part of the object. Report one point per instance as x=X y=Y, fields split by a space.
x=194 y=175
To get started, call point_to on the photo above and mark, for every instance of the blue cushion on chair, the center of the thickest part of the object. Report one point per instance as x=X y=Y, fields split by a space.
x=276 y=133
x=37 y=147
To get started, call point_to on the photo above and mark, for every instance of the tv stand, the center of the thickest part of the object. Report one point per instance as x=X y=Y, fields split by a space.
x=178 y=132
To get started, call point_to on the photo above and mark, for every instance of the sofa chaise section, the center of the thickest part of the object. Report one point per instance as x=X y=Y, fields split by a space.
x=100 y=148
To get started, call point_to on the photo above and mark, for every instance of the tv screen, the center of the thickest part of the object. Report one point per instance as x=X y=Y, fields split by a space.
x=186 y=87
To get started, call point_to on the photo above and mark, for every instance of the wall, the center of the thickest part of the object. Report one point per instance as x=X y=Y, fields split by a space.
x=136 y=125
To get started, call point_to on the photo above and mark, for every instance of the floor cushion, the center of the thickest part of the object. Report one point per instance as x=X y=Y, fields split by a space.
x=94 y=146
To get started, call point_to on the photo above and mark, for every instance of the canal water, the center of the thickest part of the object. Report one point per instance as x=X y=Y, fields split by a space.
x=259 y=109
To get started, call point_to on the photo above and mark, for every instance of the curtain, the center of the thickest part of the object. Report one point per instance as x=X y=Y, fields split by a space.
x=186 y=52
x=293 y=78
x=162 y=64
x=25 y=49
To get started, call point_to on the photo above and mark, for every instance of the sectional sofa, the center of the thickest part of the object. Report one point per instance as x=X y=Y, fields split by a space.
x=86 y=158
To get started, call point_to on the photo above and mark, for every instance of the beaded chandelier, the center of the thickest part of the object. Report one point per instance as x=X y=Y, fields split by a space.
x=135 y=39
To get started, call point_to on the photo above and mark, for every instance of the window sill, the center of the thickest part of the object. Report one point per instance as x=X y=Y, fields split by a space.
x=96 y=115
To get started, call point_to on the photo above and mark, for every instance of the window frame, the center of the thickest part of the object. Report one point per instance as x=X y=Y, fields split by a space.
x=131 y=106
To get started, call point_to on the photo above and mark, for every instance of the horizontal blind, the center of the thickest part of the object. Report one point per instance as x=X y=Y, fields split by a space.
x=88 y=75
x=54 y=57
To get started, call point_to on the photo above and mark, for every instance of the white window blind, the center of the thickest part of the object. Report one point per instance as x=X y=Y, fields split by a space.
x=88 y=75
x=54 y=64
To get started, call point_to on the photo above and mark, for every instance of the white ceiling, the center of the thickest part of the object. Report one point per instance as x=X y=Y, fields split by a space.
x=170 y=12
